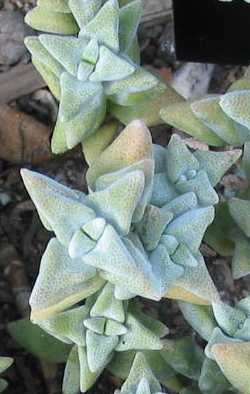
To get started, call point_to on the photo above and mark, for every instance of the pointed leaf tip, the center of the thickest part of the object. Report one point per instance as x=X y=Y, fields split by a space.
x=233 y=360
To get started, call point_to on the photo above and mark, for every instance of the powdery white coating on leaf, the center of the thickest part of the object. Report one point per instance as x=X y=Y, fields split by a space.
x=181 y=116
x=68 y=326
x=108 y=306
x=138 y=337
x=190 y=227
x=132 y=145
x=200 y=317
x=87 y=377
x=195 y=285
x=146 y=167
x=236 y=106
x=119 y=194
x=108 y=18
x=218 y=120
x=229 y=319
x=92 y=56
x=49 y=21
x=57 y=5
x=140 y=377
x=118 y=202
x=84 y=10
x=208 y=110
x=95 y=330
x=99 y=349
x=113 y=257
x=72 y=281
x=62 y=207
x=233 y=359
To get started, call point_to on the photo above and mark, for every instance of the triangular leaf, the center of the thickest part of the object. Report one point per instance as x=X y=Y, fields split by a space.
x=108 y=18
x=111 y=67
x=118 y=202
x=87 y=377
x=182 y=117
x=235 y=105
x=84 y=10
x=108 y=306
x=210 y=113
x=72 y=281
x=99 y=349
x=138 y=337
x=71 y=378
x=41 y=18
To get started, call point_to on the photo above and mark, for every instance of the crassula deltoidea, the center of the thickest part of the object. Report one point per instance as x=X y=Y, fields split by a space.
x=218 y=119
x=144 y=217
x=92 y=65
x=135 y=231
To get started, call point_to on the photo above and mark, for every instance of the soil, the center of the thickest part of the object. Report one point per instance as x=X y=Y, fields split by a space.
x=23 y=238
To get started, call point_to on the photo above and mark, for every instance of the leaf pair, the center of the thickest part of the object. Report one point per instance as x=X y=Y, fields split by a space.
x=227 y=331
x=140 y=379
x=218 y=120
x=102 y=326
x=184 y=188
x=84 y=72
x=112 y=234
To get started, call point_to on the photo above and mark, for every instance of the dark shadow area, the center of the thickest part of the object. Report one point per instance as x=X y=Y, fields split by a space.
x=212 y=31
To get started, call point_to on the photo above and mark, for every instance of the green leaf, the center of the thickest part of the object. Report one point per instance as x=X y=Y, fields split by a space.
x=5 y=363
x=108 y=18
x=128 y=106
x=71 y=378
x=212 y=380
x=38 y=342
x=233 y=360
x=184 y=356
x=218 y=234
x=241 y=261
x=181 y=116
x=239 y=210
x=200 y=317
x=210 y=113
x=41 y=18
x=235 y=105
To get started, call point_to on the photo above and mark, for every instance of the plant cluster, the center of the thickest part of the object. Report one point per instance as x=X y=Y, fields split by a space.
x=219 y=120
x=144 y=217
x=138 y=230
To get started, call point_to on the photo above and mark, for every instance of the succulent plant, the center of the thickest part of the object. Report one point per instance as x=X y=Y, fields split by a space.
x=123 y=228
x=218 y=120
x=5 y=363
x=88 y=71
x=99 y=328
x=140 y=379
x=138 y=229
x=144 y=217
x=229 y=234
x=226 y=329
x=184 y=184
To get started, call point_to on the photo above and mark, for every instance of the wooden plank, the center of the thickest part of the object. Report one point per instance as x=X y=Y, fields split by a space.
x=19 y=81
